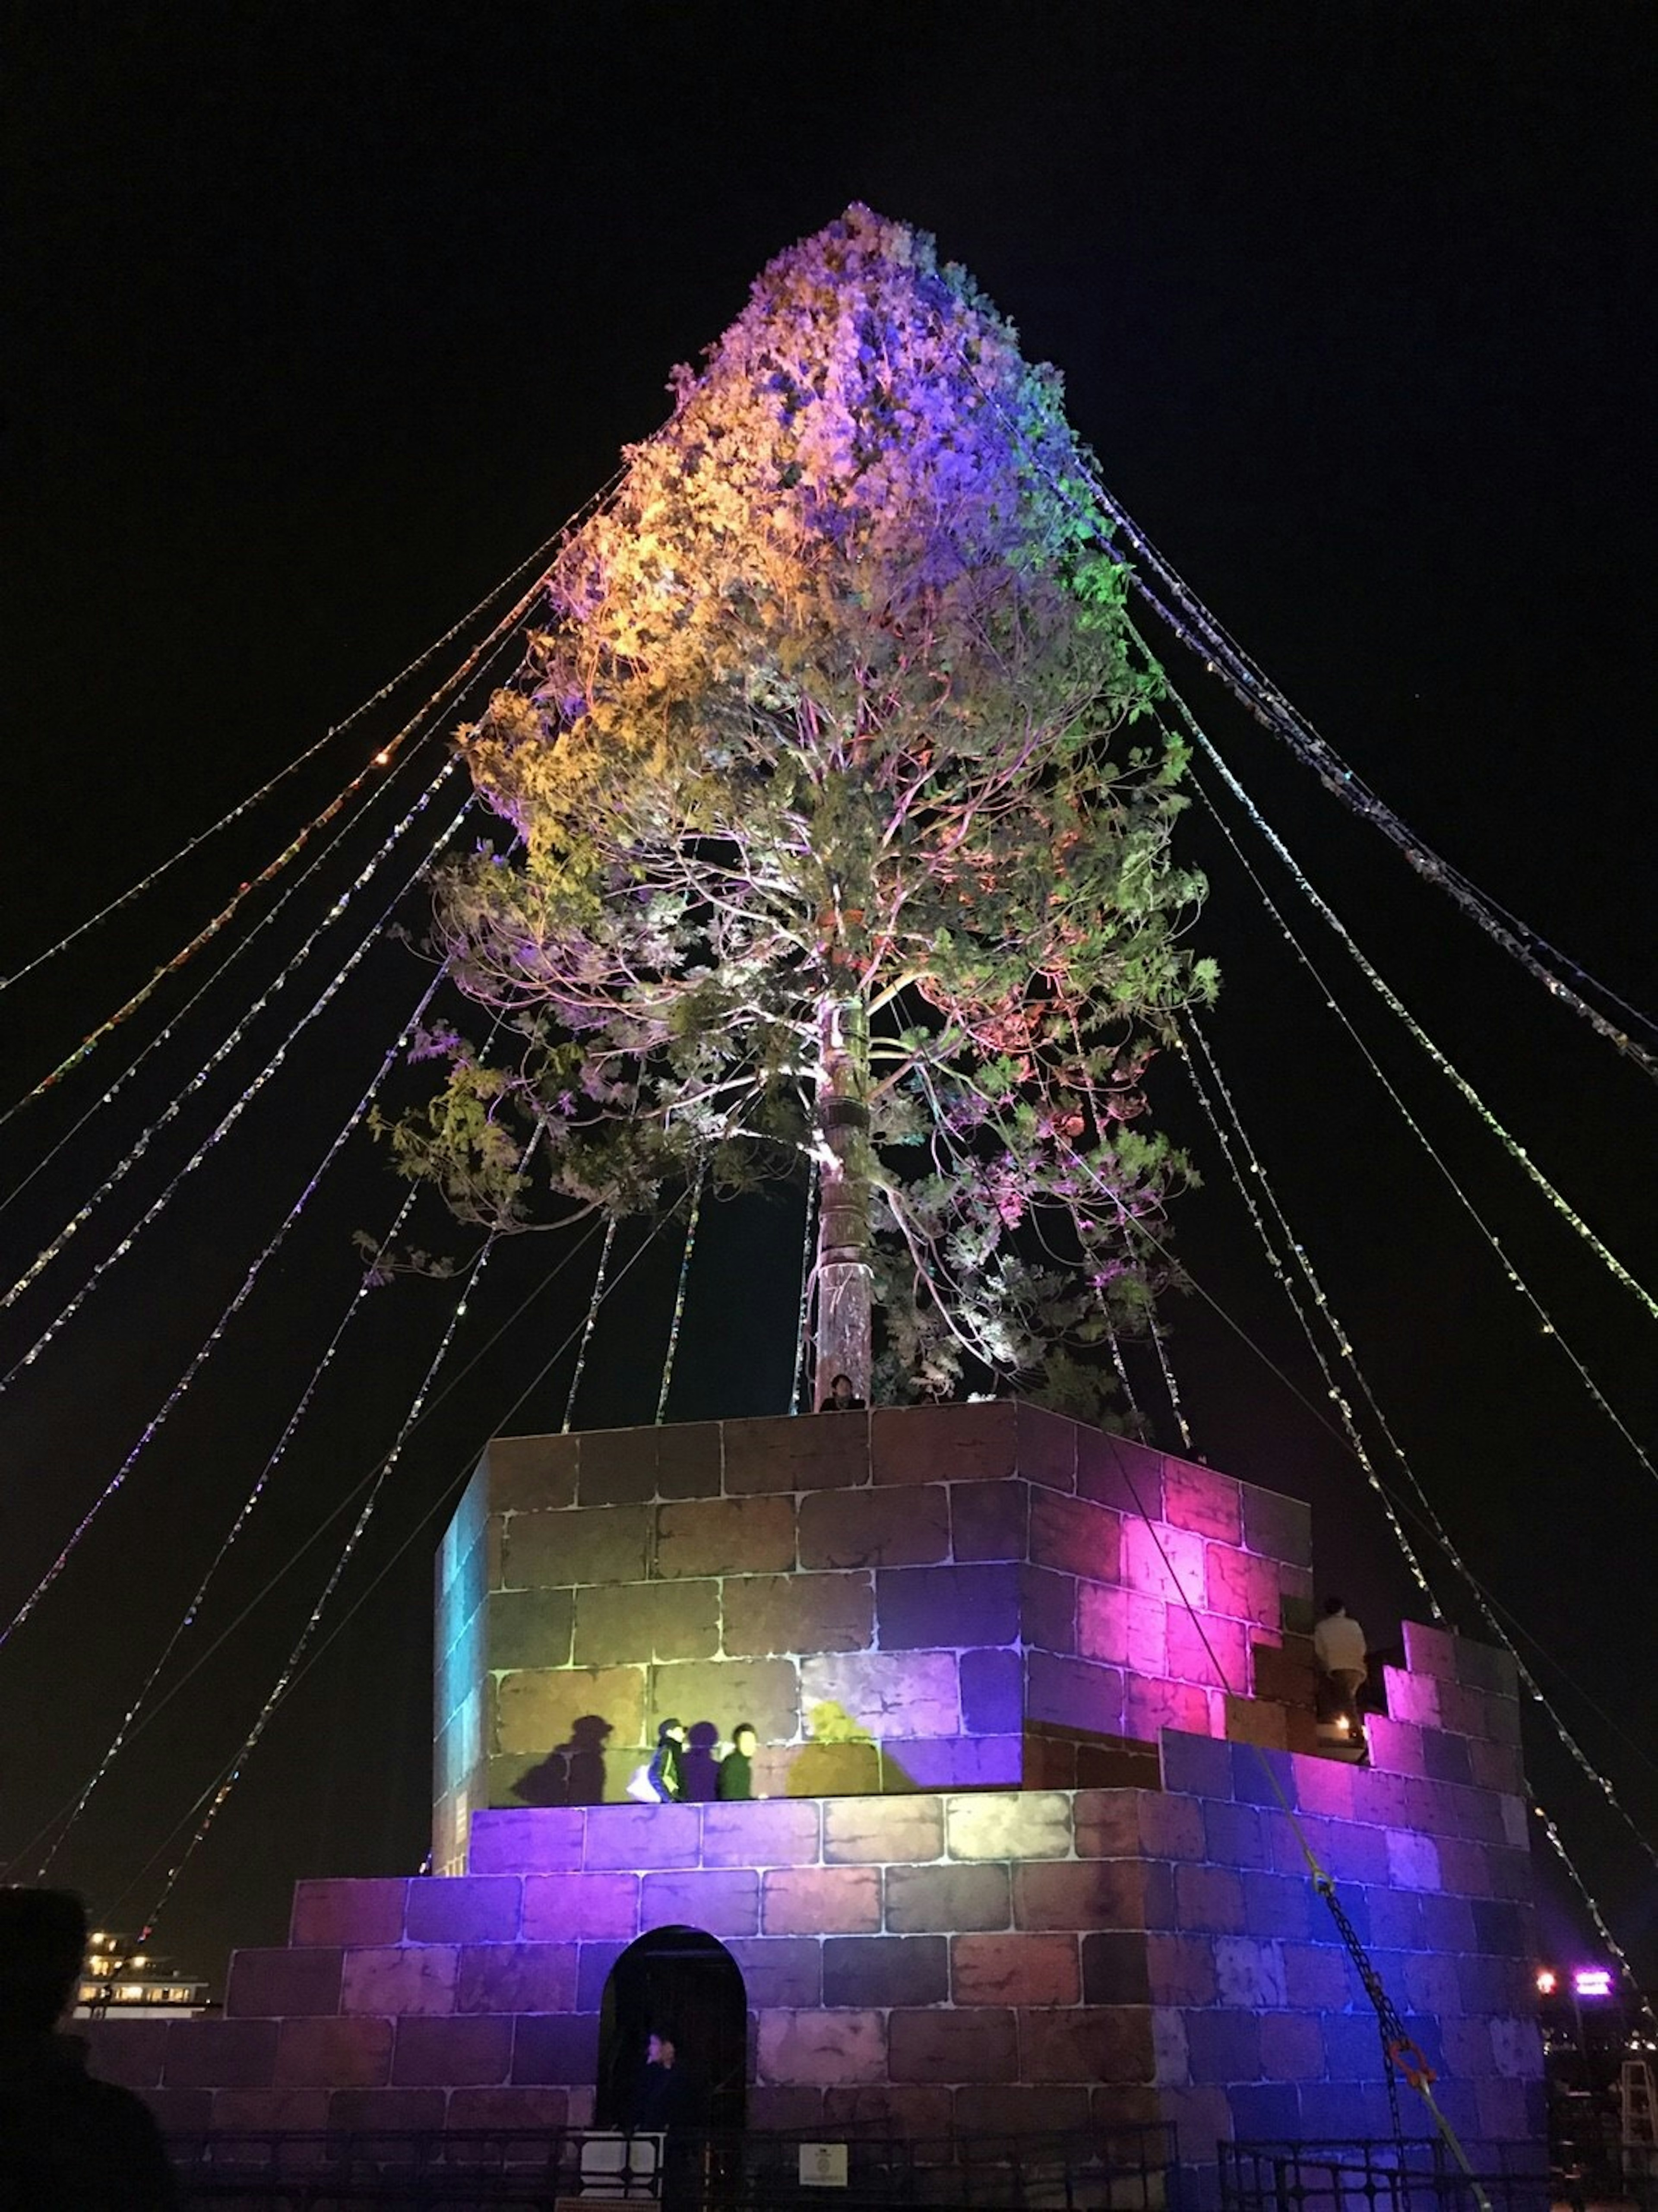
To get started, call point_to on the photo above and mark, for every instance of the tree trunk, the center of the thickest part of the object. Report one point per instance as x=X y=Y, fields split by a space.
x=842 y=1343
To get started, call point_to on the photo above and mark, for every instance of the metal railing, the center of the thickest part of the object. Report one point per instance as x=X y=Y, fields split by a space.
x=1380 y=2175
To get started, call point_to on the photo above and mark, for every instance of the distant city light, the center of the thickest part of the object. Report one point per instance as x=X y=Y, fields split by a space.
x=1548 y=1982
x=1592 y=1982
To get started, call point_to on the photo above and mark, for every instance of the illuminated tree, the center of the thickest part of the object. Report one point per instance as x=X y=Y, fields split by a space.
x=843 y=829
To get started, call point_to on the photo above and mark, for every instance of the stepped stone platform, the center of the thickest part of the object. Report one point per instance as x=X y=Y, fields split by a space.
x=1044 y=1950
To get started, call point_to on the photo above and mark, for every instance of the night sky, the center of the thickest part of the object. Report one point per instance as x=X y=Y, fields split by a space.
x=323 y=319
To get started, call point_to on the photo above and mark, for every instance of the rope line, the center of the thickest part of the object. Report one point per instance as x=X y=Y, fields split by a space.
x=237 y=1108
x=210 y=1342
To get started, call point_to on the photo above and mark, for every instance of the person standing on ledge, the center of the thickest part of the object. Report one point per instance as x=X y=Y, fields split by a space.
x=736 y=1778
x=1338 y=1648
x=842 y=1398
x=668 y=1762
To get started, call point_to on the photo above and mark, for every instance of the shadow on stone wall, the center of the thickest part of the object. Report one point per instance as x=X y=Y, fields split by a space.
x=841 y=1758
x=572 y=1773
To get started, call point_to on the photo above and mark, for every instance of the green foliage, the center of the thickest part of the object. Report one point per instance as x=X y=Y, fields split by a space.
x=833 y=709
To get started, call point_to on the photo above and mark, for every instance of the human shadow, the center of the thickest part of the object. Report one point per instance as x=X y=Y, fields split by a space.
x=572 y=1773
x=698 y=1766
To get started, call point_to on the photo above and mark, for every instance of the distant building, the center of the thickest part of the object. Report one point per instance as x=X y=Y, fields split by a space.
x=123 y=1975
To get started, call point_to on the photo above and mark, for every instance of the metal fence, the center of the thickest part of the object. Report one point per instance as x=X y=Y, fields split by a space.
x=1116 y=2170
x=1375 y=2175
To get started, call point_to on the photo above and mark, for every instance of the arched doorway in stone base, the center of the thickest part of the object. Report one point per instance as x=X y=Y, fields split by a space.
x=681 y=1982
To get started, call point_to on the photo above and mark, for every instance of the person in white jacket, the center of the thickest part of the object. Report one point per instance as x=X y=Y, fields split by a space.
x=1339 y=1648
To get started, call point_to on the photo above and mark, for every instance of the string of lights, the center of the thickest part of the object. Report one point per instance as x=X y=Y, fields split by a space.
x=1169 y=1383
x=1246 y=1185
x=1515 y=1279
x=588 y=1325
x=237 y=1109
x=539 y=560
x=188 y=1618
x=1122 y=1366
x=692 y=1218
x=225 y=1047
x=365 y=1514
x=803 y=1320
x=1258 y=1178
x=1202 y=634
x=210 y=1342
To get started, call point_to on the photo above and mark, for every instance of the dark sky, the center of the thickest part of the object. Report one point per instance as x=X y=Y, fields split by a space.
x=323 y=317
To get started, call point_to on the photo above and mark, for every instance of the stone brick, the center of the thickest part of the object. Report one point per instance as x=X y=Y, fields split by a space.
x=132 y=2052
x=1009 y=1825
x=512 y=1978
x=1318 y=1976
x=447 y=2052
x=537 y=1708
x=763 y=1691
x=636 y=1621
x=723 y=1901
x=643 y=1836
x=1208 y=1650
x=1281 y=1526
x=594 y=1965
x=764 y=1614
x=776 y=1833
x=276 y=1983
x=1073 y=1693
x=543 y=1839
x=1048 y=1608
x=1430 y=1650
x=1197 y=1498
x=689 y=1460
x=400 y=1977
x=333 y=2054
x=911 y=2114
x=927 y=1608
x=1250 y=1971
x=780 y=1972
x=830 y=1768
x=958 y=1762
x=1113 y=1471
x=950 y=1444
x=979 y=2043
x=585 y=1543
x=992 y=1692
x=771 y=1456
x=864 y=1831
x=1483 y=1667
x=530 y=1628
x=571 y=1907
x=944 y=1899
x=332 y=1912
x=1209 y=1898
x=1080 y=1894
x=540 y=2110
x=726 y=1535
x=989 y=1520
x=469 y=1909
x=1075 y=1536
x=1123 y=1626
x=1062 y=2043
x=531 y=1474
x=1413 y=1862
x=883 y=1528
x=1291 y=2047
x=385 y=2112
x=1015 y=1970
x=1277 y=1904
x=1169 y=1827
x=1193 y=1765
x=1164 y=1562
x=1180 y=1968
x=558 y=2047
x=1254 y=1720
x=618 y=1467
x=1017 y=2108
x=1149 y=1708
x=182 y=2112
x=263 y=2111
x=892 y=1694
x=821 y=1901
x=823 y=2049
x=886 y=1970
x=1046 y=1446
x=1223 y=2045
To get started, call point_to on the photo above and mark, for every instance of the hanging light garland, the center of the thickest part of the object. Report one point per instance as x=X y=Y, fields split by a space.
x=594 y=1305
x=275 y=1699
x=1516 y=1280
x=238 y=1107
x=802 y=1319
x=1169 y=1381
x=210 y=1343
x=679 y=1295
x=226 y=1044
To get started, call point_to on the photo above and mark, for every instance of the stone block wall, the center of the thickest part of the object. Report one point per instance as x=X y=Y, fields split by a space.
x=981 y=1595
x=985 y=1960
